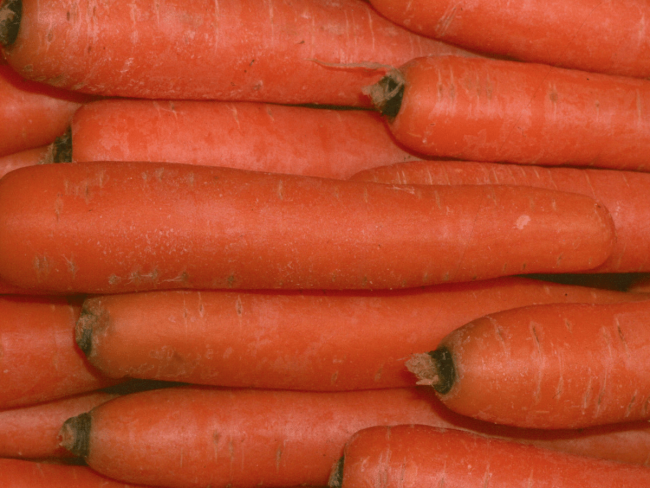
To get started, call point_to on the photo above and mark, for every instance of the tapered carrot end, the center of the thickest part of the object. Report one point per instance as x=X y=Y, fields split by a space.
x=92 y=317
x=387 y=93
x=434 y=369
x=10 y=15
x=75 y=435
x=336 y=476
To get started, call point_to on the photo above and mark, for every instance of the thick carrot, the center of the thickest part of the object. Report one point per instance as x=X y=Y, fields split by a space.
x=246 y=135
x=480 y=109
x=40 y=360
x=199 y=436
x=606 y=37
x=305 y=51
x=114 y=227
x=33 y=432
x=623 y=193
x=267 y=340
x=17 y=473
x=32 y=114
x=546 y=366
x=410 y=456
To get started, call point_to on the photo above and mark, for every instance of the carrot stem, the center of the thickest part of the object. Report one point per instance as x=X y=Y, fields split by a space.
x=75 y=434
x=10 y=15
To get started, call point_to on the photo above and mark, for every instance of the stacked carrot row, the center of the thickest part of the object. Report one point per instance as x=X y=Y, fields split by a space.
x=283 y=265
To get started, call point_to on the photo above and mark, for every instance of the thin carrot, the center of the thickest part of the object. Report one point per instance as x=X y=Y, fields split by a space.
x=268 y=340
x=246 y=135
x=115 y=227
x=33 y=432
x=305 y=51
x=546 y=366
x=623 y=193
x=29 y=157
x=410 y=456
x=480 y=109
x=40 y=360
x=640 y=285
x=17 y=473
x=606 y=37
x=32 y=114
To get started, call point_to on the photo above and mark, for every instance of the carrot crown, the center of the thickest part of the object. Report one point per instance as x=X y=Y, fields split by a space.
x=75 y=434
x=10 y=15
x=435 y=369
x=387 y=94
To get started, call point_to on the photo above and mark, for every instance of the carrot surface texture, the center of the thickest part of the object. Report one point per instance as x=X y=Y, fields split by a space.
x=305 y=51
x=410 y=456
x=245 y=135
x=480 y=109
x=115 y=227
x=546 y=366
x=268 y=340
x=623 y=193
x=40 y=360
x=578 y=34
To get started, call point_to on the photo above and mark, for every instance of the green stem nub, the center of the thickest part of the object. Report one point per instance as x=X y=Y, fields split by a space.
x=10 y=14
x=75 y=435
x=445 y=369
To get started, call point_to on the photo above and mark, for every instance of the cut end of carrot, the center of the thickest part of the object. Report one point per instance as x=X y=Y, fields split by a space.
x=92 y=316
x=62 y=148
x=75 y=435
x=10 y=16
x=434 y=369
x=336 y=476
x=387 y=94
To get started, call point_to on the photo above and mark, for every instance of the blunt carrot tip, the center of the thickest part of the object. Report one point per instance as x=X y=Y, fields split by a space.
x=435 y=369
x=10 y=15
x=75 y=434
x=62 y=147
x=336 y=476
x=89 y=318
x=387 y=94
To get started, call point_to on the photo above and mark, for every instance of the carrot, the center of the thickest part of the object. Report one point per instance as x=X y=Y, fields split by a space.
x=606 y=37
x=254 y=136
x=200 y=436
x=480 y=109
x=32 y=114
x=40 y=360
x=32 y=432
x=18 y=473
x=265 y=340
x=306 y=51
x=546 y=366
x=640 y=285
x=409 y=456
x=621 y=192
x=206 y=227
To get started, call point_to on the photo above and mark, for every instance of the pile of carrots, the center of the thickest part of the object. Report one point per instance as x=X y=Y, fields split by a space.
x=324 y=243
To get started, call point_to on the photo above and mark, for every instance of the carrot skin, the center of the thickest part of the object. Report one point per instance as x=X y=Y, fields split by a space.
x=253 y=136
x=408 y=456
x=82 y=235
x=268 y=340
x=578 y=34
x=28 y=157
x=621 y=192
x=479 y=109
x=552 y=366
x=40 y=360
x=306 y=51
x=33 y=432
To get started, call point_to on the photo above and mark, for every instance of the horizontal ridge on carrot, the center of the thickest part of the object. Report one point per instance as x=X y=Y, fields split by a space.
x=623 y=193
x=546 y=366
x=480 y=109
x=268 y=340
x=305 y=51
x=246 y=135
x=107 y=227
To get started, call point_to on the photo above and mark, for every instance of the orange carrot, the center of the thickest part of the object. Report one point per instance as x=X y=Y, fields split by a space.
x=115 y=227
x=410 y=456
x=32 y=432
x=29 y=157
x=17 y=473
x=199 y=436
x=40 y=360
x=267 y=340
x=254 y=136
x=640 y=285
x=546 y=366
x=480 y=109
x=623 y=193
x=606 y=37
x=32 y=114
x=306 y=51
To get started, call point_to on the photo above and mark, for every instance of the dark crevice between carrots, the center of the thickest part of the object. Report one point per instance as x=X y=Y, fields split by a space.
x=10 y=16
x=75 y=434
x=387 y=94
x=62 y=148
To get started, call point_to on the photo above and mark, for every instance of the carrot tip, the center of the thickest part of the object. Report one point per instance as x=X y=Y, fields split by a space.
x=62 y=148
x=75 y=434
x=435 y=369
x=387 y=93
x=336 y=476
x=10 y=16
